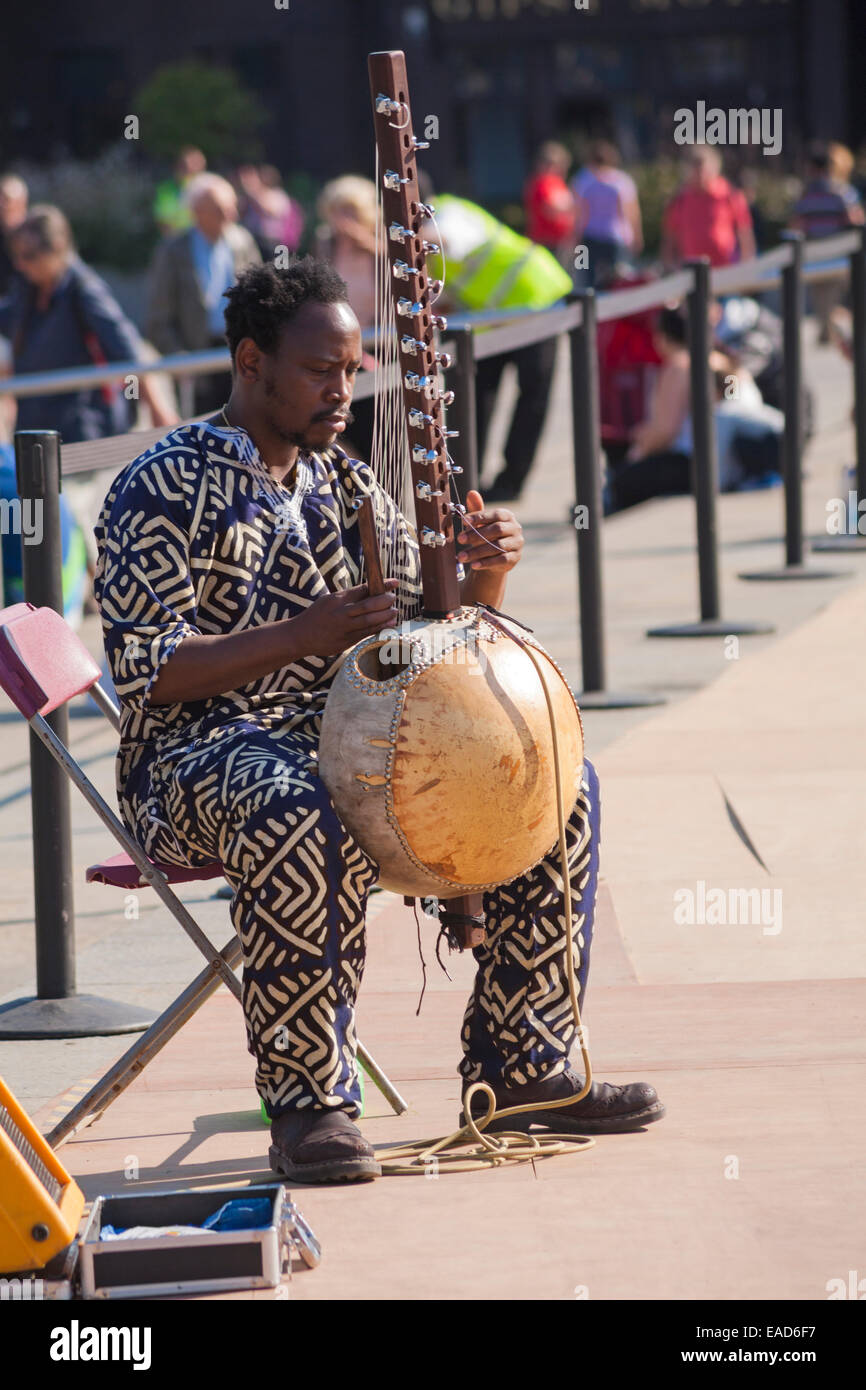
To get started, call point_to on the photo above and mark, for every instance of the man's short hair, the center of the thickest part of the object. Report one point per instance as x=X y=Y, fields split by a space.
x=265 y=299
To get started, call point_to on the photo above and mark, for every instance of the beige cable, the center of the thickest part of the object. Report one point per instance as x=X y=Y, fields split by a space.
x=469 y=1148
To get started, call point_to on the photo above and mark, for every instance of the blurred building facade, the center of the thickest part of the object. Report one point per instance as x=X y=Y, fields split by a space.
x=499 y=75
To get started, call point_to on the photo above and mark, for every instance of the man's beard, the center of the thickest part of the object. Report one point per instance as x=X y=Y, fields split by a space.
x=299 y=438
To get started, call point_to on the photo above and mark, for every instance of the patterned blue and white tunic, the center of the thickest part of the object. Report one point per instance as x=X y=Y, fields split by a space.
x=187 y=546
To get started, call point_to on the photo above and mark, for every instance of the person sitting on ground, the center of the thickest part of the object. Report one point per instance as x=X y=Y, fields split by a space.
x=659 y=459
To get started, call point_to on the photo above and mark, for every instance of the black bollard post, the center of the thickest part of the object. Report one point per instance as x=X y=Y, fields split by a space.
x=705 y=472
x=792 y=311
x=588 y=514
x=56 y=1011
x=37 y=459
x=857 y=540
x=464 y=449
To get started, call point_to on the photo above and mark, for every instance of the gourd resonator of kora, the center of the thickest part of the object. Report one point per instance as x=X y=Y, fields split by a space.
x=437 y=752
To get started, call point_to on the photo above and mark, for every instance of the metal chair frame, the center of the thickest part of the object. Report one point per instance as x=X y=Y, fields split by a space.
x=23 y=681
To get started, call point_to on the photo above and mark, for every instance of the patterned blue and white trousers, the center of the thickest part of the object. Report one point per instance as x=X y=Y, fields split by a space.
x=250 y=797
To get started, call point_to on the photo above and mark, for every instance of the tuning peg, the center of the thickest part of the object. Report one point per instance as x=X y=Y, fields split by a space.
x=427 y=384
x=431 y=537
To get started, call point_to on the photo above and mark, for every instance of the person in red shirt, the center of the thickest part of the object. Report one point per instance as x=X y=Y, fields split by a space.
x=707 y=217
x=549 y=203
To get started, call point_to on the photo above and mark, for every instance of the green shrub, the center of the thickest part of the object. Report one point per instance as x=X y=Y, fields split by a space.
x=192 y=103
x=108 y=203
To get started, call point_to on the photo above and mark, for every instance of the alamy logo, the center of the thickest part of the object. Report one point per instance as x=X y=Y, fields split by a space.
x=737 y=126
x=855 y=1288
x=400 y=646
x=19 y=518
x=729 y=907
x=24 y=1290
x=846 y=520
x=76 y=1343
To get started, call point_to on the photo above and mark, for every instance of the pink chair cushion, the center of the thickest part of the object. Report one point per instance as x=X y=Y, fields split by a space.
x=123 y=872
x=43 y=663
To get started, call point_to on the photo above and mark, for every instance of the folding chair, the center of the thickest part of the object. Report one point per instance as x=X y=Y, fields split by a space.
x=43 y=663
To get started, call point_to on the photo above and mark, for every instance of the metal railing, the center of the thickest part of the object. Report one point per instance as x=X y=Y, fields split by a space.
x=822 y=260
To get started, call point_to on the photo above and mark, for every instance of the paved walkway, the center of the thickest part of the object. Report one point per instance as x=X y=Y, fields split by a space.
x=744 y=791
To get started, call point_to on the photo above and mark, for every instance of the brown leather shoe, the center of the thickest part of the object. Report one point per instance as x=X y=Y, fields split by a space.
x=605 y=1109
x=320 y=1146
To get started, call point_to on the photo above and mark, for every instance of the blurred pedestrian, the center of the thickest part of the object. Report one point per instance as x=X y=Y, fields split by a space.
x=59 y=313
x=347 y=237
x=608 y=218
x=191 y=273
x=171 y=208
x=489 y=266
x=268 y=213
x=827 y=205
x=841 y=162
x=708 y=216
x=549 y=203
x=749 y=183
x=13 y=210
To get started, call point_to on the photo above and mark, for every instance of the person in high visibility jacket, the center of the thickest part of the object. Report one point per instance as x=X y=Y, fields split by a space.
x=487 y=265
